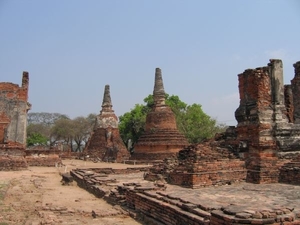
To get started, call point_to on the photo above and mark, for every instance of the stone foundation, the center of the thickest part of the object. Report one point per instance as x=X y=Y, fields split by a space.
x=199 y=166
x=167 y=204
x=42 y=158
x=289 y=173
x=12 y=159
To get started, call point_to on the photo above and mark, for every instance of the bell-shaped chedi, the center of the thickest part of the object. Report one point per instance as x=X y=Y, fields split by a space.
x=105 y=143
x=161 y=138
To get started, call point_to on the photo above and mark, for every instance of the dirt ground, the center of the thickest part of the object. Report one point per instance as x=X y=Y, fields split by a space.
x=37 y=197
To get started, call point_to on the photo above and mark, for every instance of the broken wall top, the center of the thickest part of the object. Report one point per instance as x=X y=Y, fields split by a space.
x=13 y=112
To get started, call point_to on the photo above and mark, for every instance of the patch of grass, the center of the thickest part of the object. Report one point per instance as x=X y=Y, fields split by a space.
x=3 y=223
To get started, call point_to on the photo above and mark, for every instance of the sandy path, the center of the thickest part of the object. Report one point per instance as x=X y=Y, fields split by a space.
x=36 y=196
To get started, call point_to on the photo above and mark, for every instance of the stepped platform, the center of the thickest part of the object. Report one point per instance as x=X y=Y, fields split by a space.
x=199 y=166
x=161 y=203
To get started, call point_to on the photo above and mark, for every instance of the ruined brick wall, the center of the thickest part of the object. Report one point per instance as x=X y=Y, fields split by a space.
x=13 y=122
x=265 y=118
x=290 y=172
x=12 y=159
x=201 y=165
x=261 y=106
x=42 y=158
x=13 y=112
x=255 y=102
x=288 y=134
x=295 y=83
x=289 y=103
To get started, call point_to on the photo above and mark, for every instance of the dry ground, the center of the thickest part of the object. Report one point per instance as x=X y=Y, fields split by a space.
x=37 y=197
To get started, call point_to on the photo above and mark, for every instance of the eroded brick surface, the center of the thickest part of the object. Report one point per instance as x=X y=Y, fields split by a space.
x=13 y=122
x=239 y=203
x=267 y=120
x=105 y=143
x=161 y=137
x=210 y=163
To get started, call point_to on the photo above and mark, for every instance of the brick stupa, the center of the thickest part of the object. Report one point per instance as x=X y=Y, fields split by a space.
x=105 y=143
x=161 y=138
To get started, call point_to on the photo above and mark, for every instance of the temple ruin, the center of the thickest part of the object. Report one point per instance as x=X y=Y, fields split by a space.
x=268 y=121
x=161 y=138
x=13 y=121
x=105 y=143
x=263 y=148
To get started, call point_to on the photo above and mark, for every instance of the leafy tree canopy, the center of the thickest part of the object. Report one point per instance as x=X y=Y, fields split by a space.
x=58 y=127
x=191 y=120
x=36 y=139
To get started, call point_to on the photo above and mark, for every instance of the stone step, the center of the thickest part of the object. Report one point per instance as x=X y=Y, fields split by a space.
x=166 y=211
x=192 y=208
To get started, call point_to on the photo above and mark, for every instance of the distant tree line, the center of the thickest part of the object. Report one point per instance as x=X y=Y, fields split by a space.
x=51 y=128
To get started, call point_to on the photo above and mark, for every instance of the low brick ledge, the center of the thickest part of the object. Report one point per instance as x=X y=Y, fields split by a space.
x=235 y=215
x=155 y=203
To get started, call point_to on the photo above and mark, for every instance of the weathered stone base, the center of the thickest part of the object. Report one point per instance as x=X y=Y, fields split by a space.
x=12 y=159
x=101 y=148
x=290 y=172
x=198 y=180
x=166 y=210
x=42 y=158
x=151 y=156
x=166 y=205
x=262 y=171
x=234 y=215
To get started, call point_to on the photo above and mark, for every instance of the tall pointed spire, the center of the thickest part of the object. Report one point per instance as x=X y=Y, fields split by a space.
x=106 y=104
x=159 y=91
x=161 y=137
x=105 y=142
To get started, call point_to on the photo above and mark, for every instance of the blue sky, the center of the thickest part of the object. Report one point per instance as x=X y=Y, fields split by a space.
x=73 y=48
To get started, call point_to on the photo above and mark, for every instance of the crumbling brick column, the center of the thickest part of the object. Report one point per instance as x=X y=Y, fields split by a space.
x=13 y=123
x=255 y=117
x=277 y=90
x=289 y=103
x=295 y=82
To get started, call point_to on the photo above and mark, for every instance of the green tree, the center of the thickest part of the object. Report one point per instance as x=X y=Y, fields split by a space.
x=191 y=120
x=63 y=130
x=82 y=128
x=196 y=125
x=38 y=128
x=132 y=123
x=41 y=123
x=74 y=132
x=36 y=139
x=58 y=127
